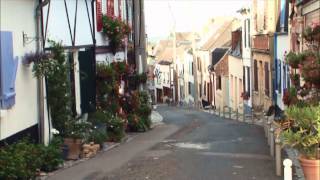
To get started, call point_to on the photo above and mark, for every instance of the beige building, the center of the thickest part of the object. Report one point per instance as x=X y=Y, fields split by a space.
x=235 y=64
x=264 y=22
x=220 y=37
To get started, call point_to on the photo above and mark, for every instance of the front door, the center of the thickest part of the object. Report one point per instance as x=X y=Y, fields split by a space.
x=87 y=80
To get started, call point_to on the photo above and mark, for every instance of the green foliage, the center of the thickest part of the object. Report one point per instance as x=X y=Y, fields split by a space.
x=115 y=29
x=294 y=59
x=98 y=136
x=79 y=129
x=23 y=159
x=139 y=119
x=51 y=155
x=305 y=132
x=115 y=128
x=56 y=71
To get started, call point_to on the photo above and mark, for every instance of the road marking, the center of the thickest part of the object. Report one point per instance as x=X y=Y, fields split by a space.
x=237 y=155
x=192 y=145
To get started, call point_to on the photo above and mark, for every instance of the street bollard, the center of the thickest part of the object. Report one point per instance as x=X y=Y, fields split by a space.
x=265 y=125
x=223 y=112
x=244 y=116
x=237 y=114
x=229 y=112
x=271 y=142
x=252 y=118
x=287 y=163
x=278 y=157
x=268 y=131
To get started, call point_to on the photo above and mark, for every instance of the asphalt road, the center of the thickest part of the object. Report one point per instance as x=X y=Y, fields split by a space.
x=205 y=147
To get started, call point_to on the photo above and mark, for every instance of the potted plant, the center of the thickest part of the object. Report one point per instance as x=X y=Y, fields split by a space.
x=78 y=132
x=304 y=135
x=245 y=96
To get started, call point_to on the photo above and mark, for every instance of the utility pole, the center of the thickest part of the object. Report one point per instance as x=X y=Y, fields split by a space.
x=195 y=75
x=174 y=61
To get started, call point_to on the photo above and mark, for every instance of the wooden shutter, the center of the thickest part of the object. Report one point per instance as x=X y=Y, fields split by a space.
x=249 y=80
x=266 y=75
x=119 y=8
x=110 y=7
x=99 y=15
x=255 y=71
x=8 y=70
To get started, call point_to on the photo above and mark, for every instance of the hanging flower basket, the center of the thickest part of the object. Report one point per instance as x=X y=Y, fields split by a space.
x=310 y=68
x=116 y=30
x=294 y=59
x=245 y=96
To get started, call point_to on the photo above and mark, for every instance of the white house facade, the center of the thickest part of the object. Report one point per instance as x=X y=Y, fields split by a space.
x=19 y=111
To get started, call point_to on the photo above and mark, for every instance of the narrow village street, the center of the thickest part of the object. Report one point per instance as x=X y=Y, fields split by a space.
x=204 y=147
x=160 y=89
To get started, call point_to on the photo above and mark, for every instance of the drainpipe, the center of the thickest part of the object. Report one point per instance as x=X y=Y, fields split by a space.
x=40 y=82
x=275 y=85
x=94 y=44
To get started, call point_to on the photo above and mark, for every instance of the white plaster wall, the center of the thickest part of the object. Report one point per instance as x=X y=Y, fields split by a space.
x=25 y=112
x=236 y=70
x=188 y=77
x=283 y=45
x=58 y=29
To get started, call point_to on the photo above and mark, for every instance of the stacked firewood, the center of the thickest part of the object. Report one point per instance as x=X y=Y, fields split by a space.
x=89 y=150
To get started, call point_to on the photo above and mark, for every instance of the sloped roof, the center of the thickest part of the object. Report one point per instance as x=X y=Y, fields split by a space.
x=161 y=46
x=184 y=36
x=165 y=55
x=220 y=38
x=217 y=54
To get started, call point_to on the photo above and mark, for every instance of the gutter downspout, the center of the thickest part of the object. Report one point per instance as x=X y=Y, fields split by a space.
x=40 y=80
x=275 y=82
x=94 y=43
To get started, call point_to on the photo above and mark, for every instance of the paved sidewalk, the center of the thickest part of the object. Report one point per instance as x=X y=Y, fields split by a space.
x=106 y=162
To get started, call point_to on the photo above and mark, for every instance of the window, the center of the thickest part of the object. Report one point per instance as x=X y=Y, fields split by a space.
x=240 y=87
x=284 y=77
x=248 y=32
x=189 y=88
x=255 y=74
x=200 y=91
x=267 y=79
x=245 y=32
x=219 y=82
x=231 y=86
x=191 y=68
x=204 y=89
x=244 y=79
x=249 y=80
x=280 y=76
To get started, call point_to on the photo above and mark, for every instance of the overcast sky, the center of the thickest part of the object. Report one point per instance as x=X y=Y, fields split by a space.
x=187 y=15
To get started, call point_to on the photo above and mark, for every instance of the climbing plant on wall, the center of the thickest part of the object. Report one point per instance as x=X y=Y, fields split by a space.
x=54 y=67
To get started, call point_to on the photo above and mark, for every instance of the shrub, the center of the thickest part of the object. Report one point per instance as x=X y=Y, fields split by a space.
x=23 y=159
x=115 y=128
x=97 y=136
x=51 y=156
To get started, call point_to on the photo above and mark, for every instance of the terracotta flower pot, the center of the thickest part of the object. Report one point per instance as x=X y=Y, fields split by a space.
x=311 y=168
x=74 y=146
